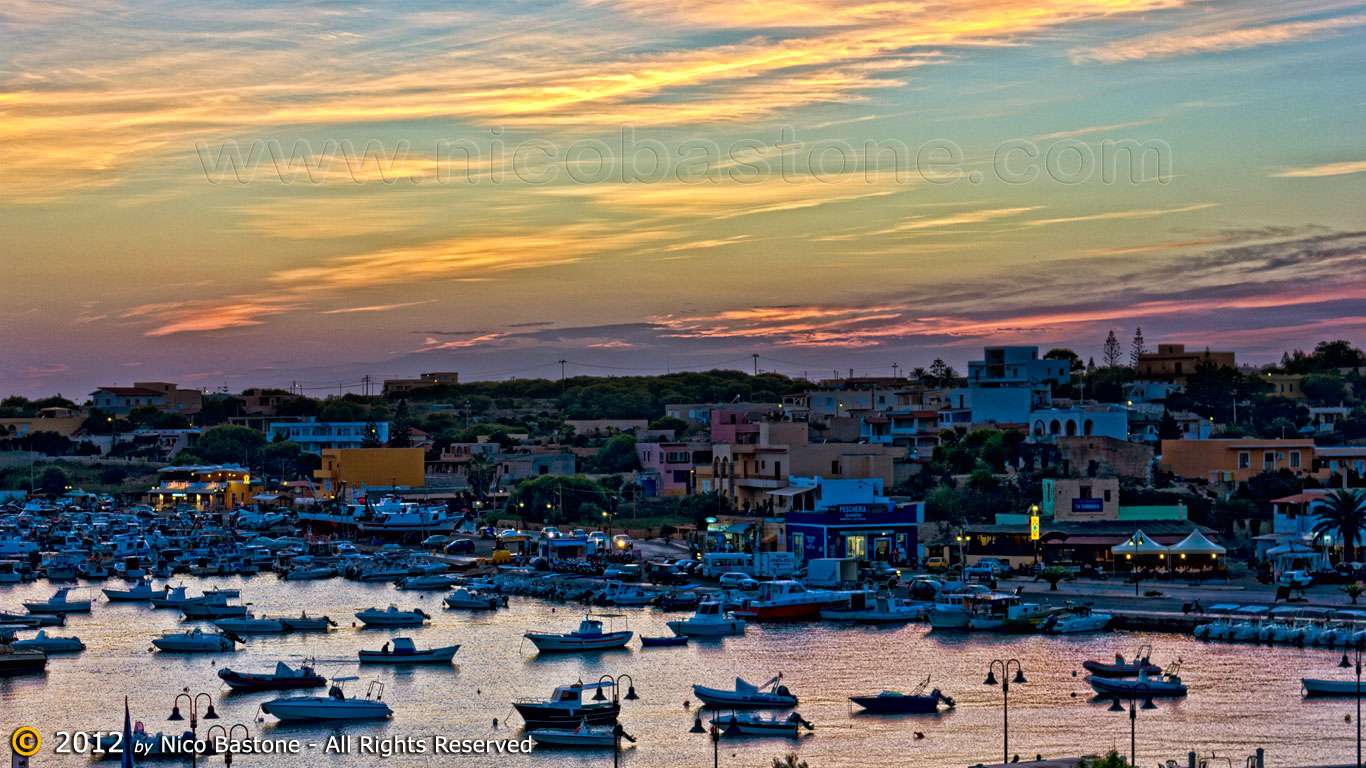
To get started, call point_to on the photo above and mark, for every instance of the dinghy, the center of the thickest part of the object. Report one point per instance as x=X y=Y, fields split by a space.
x=1122 y=668
x=770 y=695
x=283 y=677
x=1144 y=686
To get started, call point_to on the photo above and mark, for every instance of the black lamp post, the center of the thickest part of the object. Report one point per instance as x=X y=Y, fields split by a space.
x=1005 y=697
x=1115 y=706
x=228 y=731
x=1345 y=664
x=715 y=738
x=209 y=714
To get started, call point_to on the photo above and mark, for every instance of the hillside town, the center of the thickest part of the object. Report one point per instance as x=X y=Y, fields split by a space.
x=1029 y=459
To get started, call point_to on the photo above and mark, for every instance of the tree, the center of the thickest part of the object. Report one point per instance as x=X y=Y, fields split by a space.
x=402 y=434
x=1324 y=388
x=371 y=437
x=1074 y=362
x=1136 y=348
x=229 y=444
x=480 y=472
x=288 y=460
x=674 y=423
x=1111 y=353
x=939 y=371
x=1167 y=428
x=341 y=410
x=54 y=481
x=618 y=455
x=1343 y=512
x=1053 y=575
x=789 y=761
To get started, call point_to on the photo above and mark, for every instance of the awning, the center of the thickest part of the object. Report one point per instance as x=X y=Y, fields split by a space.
x=1196 y=544
x=791 y=490
x=740 y=528
x=1139 y=544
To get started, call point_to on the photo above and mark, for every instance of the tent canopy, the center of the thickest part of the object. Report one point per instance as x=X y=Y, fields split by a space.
x=1139 y=544
x=1196 y=544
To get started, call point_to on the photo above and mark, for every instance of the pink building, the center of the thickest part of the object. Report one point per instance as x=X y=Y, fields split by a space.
x=737 y=426
x=666 y=466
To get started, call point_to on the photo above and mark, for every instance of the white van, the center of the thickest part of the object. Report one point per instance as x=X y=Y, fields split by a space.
x=716 y=563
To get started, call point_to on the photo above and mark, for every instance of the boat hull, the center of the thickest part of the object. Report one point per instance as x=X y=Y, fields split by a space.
x=688 y=628
x=430 y=656
x=657 y=642
x=1314 y=687
x=568 y=644
x=318 y=708
x=244 y=681
x=564 y=737
x=897 y=705
x=539 y=715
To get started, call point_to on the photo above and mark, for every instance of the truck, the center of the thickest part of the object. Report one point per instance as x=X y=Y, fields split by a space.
x=774 y=565
x=831 y=571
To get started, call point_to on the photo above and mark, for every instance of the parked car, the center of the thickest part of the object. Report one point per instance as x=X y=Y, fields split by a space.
x=1295 y=580
x=599 y=538
x=980 y=570
x=937 y=564
x=460 y=546
x=924 y=588
x=626 y=572
x=881 y=573
x=436 y=541
x=737 y=580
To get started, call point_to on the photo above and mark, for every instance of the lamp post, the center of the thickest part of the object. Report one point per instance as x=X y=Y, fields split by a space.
x=617 y=730
x=1005 y=697
x=1115 y=706
x=209 y=714
x=962 y=562
x=228 y=731
x=715 y=738
x=1345 y=664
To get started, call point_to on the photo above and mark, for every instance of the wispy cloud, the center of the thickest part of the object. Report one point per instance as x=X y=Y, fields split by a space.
x=375 y=307
x=1190 y=42
x=1326 y=169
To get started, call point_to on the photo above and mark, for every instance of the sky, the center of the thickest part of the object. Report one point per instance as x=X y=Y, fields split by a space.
x=275 y=194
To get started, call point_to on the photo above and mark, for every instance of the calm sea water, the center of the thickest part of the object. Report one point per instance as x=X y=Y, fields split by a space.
x=1241 y=697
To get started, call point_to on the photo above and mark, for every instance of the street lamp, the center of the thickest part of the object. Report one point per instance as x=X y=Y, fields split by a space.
x=715 y=738
x=1139 y=689
x=209 y=714
x=1345 y=664
x=228 y=731
x=1005 y=697
x=962 y=561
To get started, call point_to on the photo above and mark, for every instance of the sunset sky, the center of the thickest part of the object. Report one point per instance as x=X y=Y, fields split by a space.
x=133 y=248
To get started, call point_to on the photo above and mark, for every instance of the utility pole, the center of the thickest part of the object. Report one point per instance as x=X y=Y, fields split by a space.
x=365 y=384
x=756 y=363
x=562 y=362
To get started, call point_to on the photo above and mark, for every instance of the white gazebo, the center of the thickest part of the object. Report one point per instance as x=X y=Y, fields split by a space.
x=1138 y=544
x=1195 y=551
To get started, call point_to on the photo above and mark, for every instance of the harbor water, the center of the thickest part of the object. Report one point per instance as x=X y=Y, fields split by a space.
x=1241 y=696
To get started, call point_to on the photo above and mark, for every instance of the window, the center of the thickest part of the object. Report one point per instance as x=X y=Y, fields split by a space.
x=778 y=468
x=1244 y=459
x=835 y=467
x=1295 y=459
x=1107 y=495
x=1268 y=460
x=1084 y=492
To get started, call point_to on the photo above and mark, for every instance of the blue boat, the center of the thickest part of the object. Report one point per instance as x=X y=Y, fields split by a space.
x=915 y=702
x=652 y=642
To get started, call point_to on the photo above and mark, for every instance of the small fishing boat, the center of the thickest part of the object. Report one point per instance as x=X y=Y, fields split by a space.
x=588 y=637
x=252 y=625
x=770 y=695
x=33 y=620
x=1080 y=619
x=1165 y=684
x=283 y=677
x=881 y=609
x=404 y=652
x=585 y=735
x=333 y=706
x=709 y=621
x=306 y=623
x=754 y=724
x=679 y=601
x=475 y=601
x=658 y=642
x=310 y=573
x=1314 y=687
x=197 y=641
x=174 y=598
x=428 y=582
x=392 y=617
x=49 y=645
x=1122 y=668
x=893 y=702
x=141 y=592
x=568 y=705
x=60 y=602
x=17 y=661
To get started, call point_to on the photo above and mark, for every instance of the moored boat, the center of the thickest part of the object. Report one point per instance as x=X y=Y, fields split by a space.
x=197 y=641
x=785 y=600
x=770 y=695
x=1120 y=668
x=392 y=617
x=333 y=706
x=284 y=677
x=882 y=608
x=1080 y=619
x=306 y=623
x=709 y=621
x=584 y=735
x=49 y=645
x=1313 y=687
x=754 y=724
x=568 y=705
x=1144 y=686
x=894 y=702
x=252 y=625
x=60 y=602
x=428 y=582
x=141 y=592
x=659 y=642
x=475 y=601
x=404 y=652
x=588 y=637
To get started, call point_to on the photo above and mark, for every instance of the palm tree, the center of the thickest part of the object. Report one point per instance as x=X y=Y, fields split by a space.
x=1343 y=512
x=479 y=473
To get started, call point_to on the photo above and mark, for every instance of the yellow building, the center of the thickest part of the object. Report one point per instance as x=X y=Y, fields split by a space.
x=207 y=487
x=1284 y=384
x=344 y=468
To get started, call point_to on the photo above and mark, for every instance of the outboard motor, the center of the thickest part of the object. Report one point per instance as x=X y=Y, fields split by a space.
x=938 y=696
x=799 y=720
x=782 y=691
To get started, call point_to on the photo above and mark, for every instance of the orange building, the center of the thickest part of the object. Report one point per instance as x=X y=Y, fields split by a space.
x=1236 y=460
x=1171 y=363
x=1284 y=384
x=351 y=468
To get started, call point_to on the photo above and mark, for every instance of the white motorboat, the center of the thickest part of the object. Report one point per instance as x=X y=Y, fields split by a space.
x=174 y=598
x=708 y=621
x=588 y=637
x=1081 y=619
x=47 y=644
x=404 y=652
x=250 y=624
x=141 y=592
x=197 y=641
x=212 y=605
x=392 y=617
x=1314 y=687
x=1166 y=684
x=953 y=609
x=306 y=623
x=770 y=695
x=585 y=735
x=474 y=601
x=881 y=609
x=60 y=602
x=618 y=594
x=755 y=724
x=310 y=573
x=433 y=582
x=333 y=706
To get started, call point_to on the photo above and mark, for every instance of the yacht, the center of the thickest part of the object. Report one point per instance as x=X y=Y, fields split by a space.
x=196 y=641
x=708 y=621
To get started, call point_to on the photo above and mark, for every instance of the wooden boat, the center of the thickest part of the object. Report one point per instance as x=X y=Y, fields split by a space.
x=1314 y=687
x=404 y=652
x=763 y=725
x=658 y=642
x=17 y=661
x=568 y=706
x=770 y=695
x=284 y=677
x=893 y=702
x=588 y=637
x=585 y=735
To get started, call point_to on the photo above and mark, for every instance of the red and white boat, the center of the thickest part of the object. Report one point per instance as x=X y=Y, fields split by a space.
x=788 y=600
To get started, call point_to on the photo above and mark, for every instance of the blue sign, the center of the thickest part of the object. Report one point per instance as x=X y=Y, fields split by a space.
x=1088 y=505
